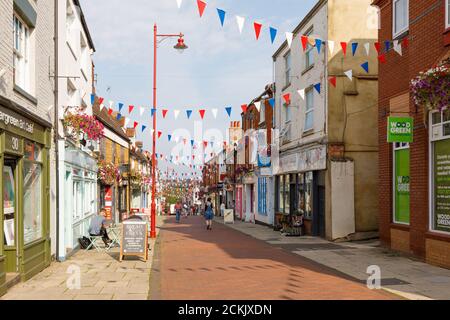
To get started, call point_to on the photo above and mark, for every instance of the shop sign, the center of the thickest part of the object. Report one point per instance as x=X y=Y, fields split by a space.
x=400 y=129
x=13 y=144
x=108 y=202
x=11 y=120
x=442 y=185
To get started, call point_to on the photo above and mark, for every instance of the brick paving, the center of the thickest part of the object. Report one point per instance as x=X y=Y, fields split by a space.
x=192 y=263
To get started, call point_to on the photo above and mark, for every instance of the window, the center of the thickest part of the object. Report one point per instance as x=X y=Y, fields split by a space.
x=309 y=110
x=447 y=14
x=401 y=183
x=72 y=94
x=84 y=57
x=32 y=193
x=401 y=17
x=21 y=54
x=287 y=63
x=309 y=55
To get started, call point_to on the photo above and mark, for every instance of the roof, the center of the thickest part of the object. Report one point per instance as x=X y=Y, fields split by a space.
x=108 y=121
x=85 y=26
x=305 y=20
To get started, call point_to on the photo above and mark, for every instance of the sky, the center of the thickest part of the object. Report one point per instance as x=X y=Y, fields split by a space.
x=221 y=67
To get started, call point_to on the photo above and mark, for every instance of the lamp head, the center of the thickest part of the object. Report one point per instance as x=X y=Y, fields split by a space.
x=180 y=46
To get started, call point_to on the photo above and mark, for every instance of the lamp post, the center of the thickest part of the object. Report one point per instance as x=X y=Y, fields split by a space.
x=180 y=46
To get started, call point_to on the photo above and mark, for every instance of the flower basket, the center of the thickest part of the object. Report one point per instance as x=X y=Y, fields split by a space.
x=108 y=173
x=430 y=89
x=136 y=179
x=77 y=125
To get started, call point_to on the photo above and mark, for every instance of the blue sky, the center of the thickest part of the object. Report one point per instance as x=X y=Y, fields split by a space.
x=221 y=67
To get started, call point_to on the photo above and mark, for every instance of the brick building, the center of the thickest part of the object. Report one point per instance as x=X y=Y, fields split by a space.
x=418 y=37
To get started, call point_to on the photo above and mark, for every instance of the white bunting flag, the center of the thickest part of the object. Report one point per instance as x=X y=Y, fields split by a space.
x=331 y=46
x=127 y=121
x=101 y=107
x=258 y=105
x=177 y=139
x=349 y=74
x=176 y=113
x=179 y=3
x=398 y=47
x=215 y=112
x=240 y=21
x=111 y=104
x=141 y=110
x=302 y=93
x=289 y=37
x=367 y=47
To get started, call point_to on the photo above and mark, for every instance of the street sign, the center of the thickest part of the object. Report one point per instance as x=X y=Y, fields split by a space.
x=400 y=129
x=134 y=239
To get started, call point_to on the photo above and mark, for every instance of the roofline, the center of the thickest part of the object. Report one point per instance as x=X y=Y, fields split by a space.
x=85 y=26
x=305 y=20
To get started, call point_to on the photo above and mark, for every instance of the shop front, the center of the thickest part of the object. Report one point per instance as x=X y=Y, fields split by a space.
x=25 y=185
x=78 y=196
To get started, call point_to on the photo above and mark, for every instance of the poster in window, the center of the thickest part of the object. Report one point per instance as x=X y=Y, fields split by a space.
x=8 y=229
x=402 y=180
x=442 y=185
x=8 y=191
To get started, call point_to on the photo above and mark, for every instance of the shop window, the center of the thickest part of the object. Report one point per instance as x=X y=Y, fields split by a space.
x=401 y=183
x=9 y=204
x=77 y=200
x=440 y=171
x=400 y=17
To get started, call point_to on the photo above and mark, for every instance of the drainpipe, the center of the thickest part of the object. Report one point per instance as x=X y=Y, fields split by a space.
x=56 y=125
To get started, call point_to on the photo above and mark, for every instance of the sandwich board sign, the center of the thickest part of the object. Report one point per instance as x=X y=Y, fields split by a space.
x=134 y=239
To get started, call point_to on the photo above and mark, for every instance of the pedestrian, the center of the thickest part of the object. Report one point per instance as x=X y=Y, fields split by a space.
x=178 y=211
x=222 y=209
x=97 y=227
x=209 y=214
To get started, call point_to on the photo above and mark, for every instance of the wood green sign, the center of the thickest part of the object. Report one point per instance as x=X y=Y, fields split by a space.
x=400 y=129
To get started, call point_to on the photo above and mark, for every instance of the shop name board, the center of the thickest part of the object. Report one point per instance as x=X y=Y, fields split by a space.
x=400 y=129
x=18 y=123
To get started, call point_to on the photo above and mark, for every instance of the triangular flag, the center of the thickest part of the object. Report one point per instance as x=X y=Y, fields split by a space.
x=382 y=58
x=201 y=7
x=135 y=124
x=302 y=93
x=398 y=47
x=367 y=47
x=205 y=144
x=331 y=46
x=143 y=128
x=344 y=47
x=365 y=66
x=333 y=81
x=318 y=44
x=110 y=111
x=272 y=102
x=93 y=99
x=141 y=110
x=289 y=37
x=176 y=113
x=164 y=113
x=118 y=116
x=244 y=108
x=127 y=121
x=304 y=42
x=215 y=112
x=354 y=48
x=349 y=74
x=229 y=109
x=257 y=27
x=221 y=16
x=169 y=137
x=102 y=106
x=387 y=44
x=258 y=106
x=377 y=47
x=111 y=103
x=202 y=113
x=153 y=111
x=130 y=109
x=405 y=42
x=318 y=87
x=192 y=142
x=273 y=34
x=179 y=3
x=287 y=98
x=159 y=134
x=120 y=107
x=240 y=21
x=188 y=113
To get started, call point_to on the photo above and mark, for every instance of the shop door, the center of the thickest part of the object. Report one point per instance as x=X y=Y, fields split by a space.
x=11 y=213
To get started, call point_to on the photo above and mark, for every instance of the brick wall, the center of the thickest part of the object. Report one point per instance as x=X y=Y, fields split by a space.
x=426 y=46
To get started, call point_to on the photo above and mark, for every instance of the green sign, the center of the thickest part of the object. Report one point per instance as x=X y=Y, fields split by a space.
x=442 y=185
x=400 y=129
x=402 y=184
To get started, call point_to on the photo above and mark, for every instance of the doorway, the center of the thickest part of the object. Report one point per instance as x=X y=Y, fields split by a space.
x=11 y=212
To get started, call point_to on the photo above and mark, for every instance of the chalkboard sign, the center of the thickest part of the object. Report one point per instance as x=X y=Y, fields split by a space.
x=134 y=239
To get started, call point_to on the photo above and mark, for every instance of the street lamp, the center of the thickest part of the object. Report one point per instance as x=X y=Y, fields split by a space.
x=180 y=47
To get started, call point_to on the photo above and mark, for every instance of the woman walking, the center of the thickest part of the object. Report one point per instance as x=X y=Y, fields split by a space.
x=209 y=214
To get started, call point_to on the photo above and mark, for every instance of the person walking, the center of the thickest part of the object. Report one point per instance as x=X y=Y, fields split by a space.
x=222 y=209
x=178 y=211
x=209 y=214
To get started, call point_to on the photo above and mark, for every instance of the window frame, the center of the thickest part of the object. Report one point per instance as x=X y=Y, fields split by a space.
x=397 y=33
x=309 y=110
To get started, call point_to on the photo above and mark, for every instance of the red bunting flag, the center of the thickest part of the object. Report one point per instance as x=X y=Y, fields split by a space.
x=344 y=47
x=244 y=108
x=159 y=134
x=110 y=111
x=377 y=47
x=205 y=143
x=193 y=157
x=287 y=98
x=201 y=7
x=100 y=101
x=135 y=124
x=202 y=113
x=333 y=81
x=304 y=42
x=405 y=42
x=130 y=109
x=382 y=58
x=258 y=27
x=164 y=113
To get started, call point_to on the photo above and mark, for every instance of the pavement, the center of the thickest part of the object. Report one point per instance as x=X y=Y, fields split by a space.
x=101 y=277
x=400 y=274
x=192 y=263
